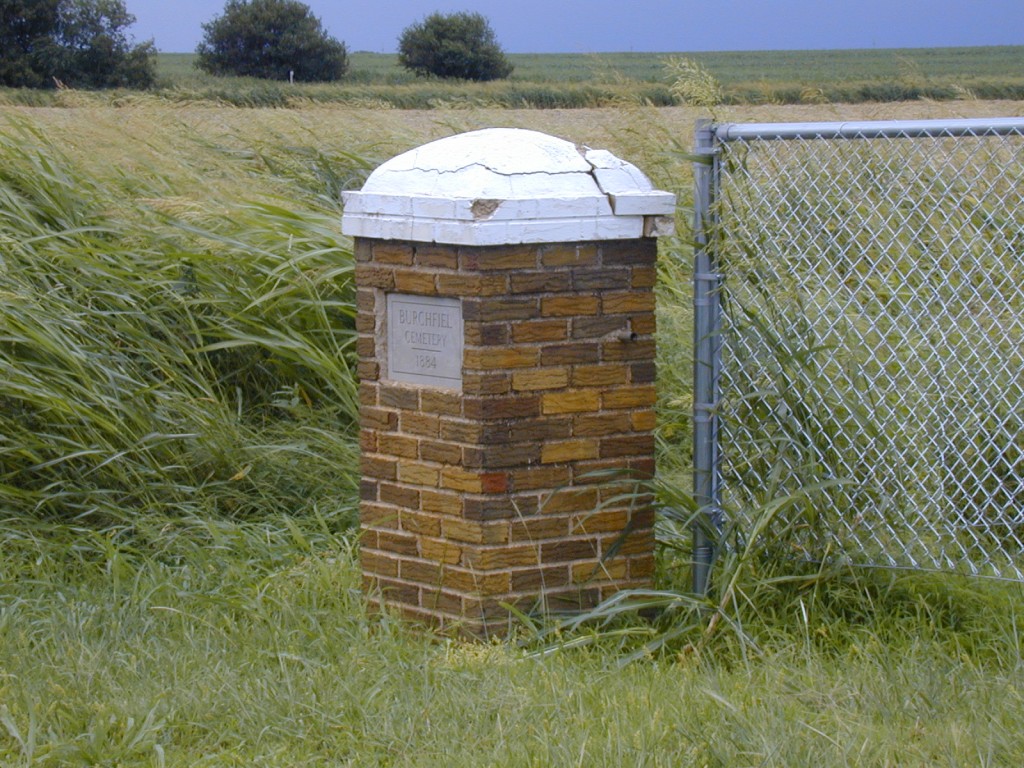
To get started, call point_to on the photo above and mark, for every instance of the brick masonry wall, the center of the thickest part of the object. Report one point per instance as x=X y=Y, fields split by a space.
x=518 y=490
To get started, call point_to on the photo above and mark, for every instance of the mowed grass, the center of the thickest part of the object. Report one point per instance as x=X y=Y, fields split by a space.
x=159 y=611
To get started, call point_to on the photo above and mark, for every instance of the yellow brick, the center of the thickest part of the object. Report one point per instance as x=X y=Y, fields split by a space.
x=489 y=358
x=540 y=378
x=414 y=473
x=440 y=550
x=630 y=397
x=572 y=402
x=568 y=450
x=475 y=532
x=458 y=479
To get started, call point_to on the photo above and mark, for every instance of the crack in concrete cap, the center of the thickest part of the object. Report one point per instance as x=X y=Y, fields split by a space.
x=514 y=183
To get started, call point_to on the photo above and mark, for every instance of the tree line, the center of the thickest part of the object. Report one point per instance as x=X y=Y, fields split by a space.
x=85 y=44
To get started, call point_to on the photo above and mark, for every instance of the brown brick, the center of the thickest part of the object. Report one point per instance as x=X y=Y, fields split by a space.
x=421 y=571
x=399 y=445
x=489 y=358
x=540 y=330
x=370 y=276
x=568 y=549
x=615 y=351
x=539 y=430
x=540 y=579
x=420 y=524
x=540 y=378
x=379 y=467
x=399 y=396
x=460 y=284
x=487 y=334
x=421 y=283
x=368 y=393
x=471 y=581
x=538 y=528
x=362 y=248
x=440 y=452
x=644 y=324
x=569 y=306
x=571 y=354
x=569 y=255
x=597 y=326
x=540 y=478
x=378 y=516
x=644 y=277
x=600 y=424
x=366 y=301
x=366 y=346
x=398 y=543
x=498 y=506
x=494 y=482
x=499 y=257
x=599 y=375
x=600 y=521
x=494 y=309
x=441 y=550
x=644 y=420
x=417 y=473
x=569 y=500
x=436 y=256
x=601 y=570
x=511 y=407
x=399 y=495
x=627 y=302
x=634 y=543
x=569 y=450
x=540 y=282
x=422 y=424
x=601 y=279
x=571 y=401
x=368 y=441
x=632 y=445
x=641 y=567
x=493 y=558
x=475 y=531
x=368 y=489
x=367 y=370
x=460 y=430
x=643 y=372
x=392 y=253
x=378 y=563
x=435 y=599
x=486 y=383
x=396 y=592
x=440 y=502
x=366 y=322
x=643 y=396
x=631 y=252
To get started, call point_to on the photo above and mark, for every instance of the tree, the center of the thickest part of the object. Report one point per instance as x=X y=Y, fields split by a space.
x=81 y=43
x=272 y=39
x=457 y=45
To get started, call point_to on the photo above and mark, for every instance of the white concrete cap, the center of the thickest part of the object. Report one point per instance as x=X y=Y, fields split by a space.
x=506 y=186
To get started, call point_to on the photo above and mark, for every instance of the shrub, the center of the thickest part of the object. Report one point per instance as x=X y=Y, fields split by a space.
x=457 y=45
x=271 y=39
x=80 y=43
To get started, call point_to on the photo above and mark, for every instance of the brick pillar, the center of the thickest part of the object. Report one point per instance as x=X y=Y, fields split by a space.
x=507 y=387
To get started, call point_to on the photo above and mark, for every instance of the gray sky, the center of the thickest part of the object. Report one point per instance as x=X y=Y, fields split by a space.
x=590 y=26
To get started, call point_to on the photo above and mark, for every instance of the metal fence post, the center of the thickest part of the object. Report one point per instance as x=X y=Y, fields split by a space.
x=706 y=358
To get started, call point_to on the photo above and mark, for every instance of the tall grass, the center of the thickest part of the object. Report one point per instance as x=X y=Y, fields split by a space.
x=161 y=362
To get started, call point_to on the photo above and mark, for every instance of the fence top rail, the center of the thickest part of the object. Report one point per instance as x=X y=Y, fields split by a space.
x=870 y=129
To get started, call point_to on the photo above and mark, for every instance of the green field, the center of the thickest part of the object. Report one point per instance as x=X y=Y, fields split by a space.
x=178 y=582
x=609 y=79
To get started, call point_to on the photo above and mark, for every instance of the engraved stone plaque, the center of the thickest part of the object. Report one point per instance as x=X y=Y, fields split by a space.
x=424 y=340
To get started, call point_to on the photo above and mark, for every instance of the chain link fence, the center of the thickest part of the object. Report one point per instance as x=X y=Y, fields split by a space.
x=860 y=339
